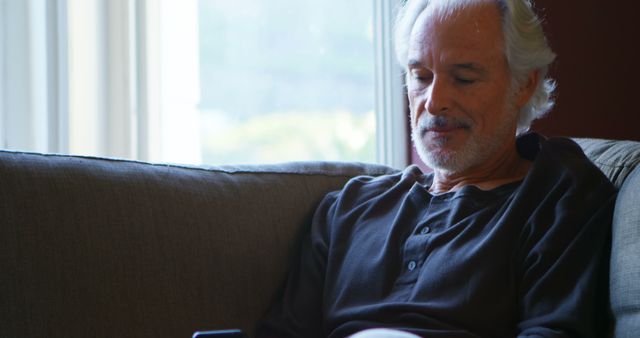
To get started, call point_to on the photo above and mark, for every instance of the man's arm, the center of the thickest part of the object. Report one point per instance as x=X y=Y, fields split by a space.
x=298 y=313
x=564 y=286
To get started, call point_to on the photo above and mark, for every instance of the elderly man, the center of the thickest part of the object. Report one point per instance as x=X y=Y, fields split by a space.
x=506 y=238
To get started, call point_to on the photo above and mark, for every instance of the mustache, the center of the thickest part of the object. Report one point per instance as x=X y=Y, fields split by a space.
x=427 y=123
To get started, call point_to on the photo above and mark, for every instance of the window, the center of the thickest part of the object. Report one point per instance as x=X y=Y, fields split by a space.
x=213 y=81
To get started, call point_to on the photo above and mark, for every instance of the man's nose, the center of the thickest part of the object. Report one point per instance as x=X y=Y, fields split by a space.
x=439 y=99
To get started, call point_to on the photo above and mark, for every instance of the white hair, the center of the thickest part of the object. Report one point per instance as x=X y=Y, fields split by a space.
x=526 y=47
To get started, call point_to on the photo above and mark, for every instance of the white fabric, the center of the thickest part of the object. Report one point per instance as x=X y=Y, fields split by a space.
x=383 y=333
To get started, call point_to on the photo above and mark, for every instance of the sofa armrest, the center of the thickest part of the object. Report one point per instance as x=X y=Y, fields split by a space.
x=625 y=259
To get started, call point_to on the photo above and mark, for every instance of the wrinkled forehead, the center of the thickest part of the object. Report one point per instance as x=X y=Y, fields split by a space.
x=467 y=23
x=446 y=8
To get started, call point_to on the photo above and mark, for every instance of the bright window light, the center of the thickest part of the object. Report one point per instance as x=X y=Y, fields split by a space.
x=257 y=81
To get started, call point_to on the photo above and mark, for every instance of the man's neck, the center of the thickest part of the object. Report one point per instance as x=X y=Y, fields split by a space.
x=504 y=168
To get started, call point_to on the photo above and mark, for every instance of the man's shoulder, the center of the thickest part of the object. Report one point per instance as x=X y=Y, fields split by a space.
x=554 y=150
x=411 y=173
x=561 y=160
x=363 y=188
x=566 y=155
x=563 y=150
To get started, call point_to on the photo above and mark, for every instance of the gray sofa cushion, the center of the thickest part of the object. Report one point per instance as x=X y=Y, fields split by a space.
x=619 y=161
x=625 y=259
x=101 y=247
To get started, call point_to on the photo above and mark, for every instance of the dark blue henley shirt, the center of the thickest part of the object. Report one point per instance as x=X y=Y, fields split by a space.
x=526 y=259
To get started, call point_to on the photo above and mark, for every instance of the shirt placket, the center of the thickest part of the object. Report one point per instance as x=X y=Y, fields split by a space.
x=416 y=247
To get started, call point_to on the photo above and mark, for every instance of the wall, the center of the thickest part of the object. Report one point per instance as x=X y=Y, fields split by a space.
x=596 y=68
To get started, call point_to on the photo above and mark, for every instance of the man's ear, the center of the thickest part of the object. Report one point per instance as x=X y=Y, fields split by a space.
x=527 y=88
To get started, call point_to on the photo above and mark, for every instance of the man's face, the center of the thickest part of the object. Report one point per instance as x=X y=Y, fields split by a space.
x=459 y=89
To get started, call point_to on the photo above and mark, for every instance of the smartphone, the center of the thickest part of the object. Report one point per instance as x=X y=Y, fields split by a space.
x=220 y=334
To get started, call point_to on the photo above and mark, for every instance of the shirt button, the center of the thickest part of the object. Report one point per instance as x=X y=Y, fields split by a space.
x=425 y=230
x=411 y=266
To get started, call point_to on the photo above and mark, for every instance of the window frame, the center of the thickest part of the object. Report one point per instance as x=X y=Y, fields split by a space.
x=391 y=104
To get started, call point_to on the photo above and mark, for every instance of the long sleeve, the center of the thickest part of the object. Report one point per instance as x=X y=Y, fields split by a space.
x=564 y=258
x=298 y=313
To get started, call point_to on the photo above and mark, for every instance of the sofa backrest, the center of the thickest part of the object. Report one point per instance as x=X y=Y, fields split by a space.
x=93 y=247
x=620 y=160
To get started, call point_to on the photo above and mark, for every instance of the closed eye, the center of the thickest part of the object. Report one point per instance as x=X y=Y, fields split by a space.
x=421 y=77
x=464 y=81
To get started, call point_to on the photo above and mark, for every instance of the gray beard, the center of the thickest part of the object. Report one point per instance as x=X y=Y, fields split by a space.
x=476 y=150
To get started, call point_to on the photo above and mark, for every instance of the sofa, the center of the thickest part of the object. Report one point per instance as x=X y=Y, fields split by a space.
x=102 y=247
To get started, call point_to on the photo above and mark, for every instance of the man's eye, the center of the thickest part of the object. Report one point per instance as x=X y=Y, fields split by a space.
x=464 y=81
x=421 y=77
